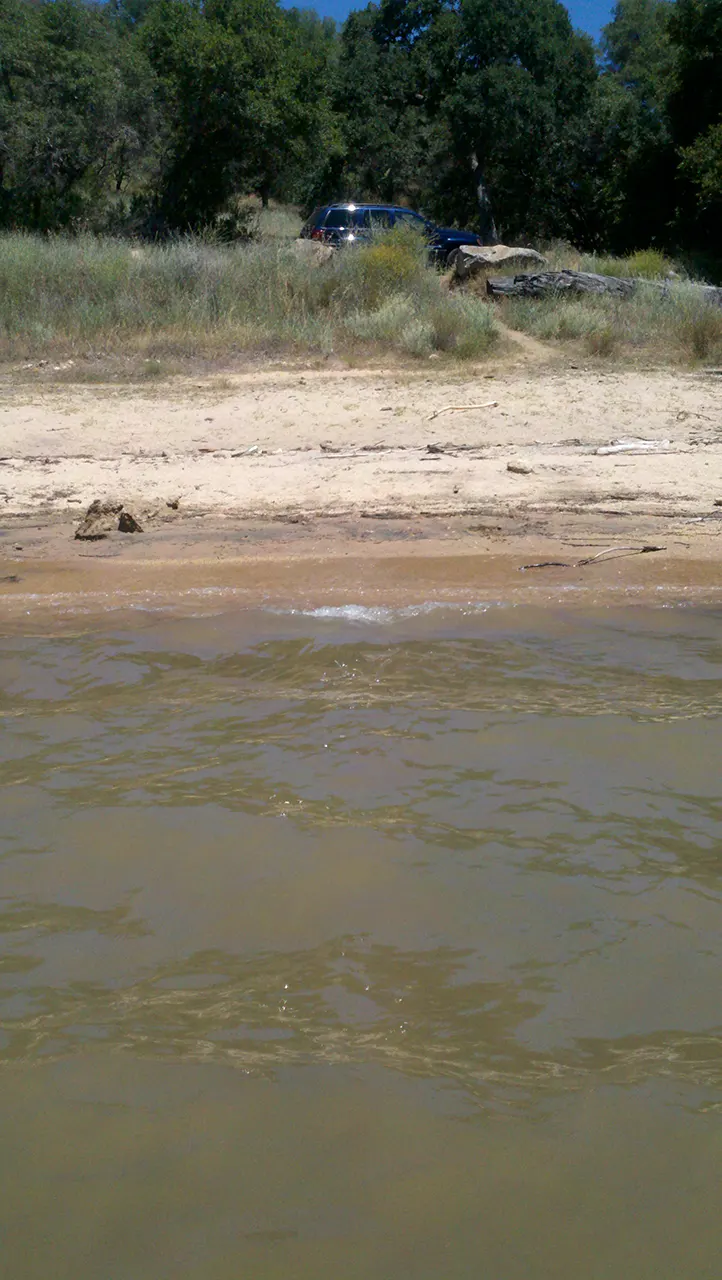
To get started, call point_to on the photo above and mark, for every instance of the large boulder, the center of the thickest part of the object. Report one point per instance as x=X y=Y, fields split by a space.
x=471 y=259
x=313 y=252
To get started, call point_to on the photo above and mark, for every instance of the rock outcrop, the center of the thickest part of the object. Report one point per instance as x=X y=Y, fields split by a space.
x=472 y=259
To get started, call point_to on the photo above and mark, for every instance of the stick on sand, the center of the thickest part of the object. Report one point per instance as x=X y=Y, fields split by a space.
x=461 y=408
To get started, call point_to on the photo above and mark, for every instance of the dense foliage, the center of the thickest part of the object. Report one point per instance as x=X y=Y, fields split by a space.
x=157 y=115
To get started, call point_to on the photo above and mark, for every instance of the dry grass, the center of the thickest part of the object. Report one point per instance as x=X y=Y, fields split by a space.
x=674 y=323
x=645 y=264
x=158 y=307
x=93 y=308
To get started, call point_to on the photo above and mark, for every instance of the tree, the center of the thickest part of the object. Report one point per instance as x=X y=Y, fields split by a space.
x=243 y=97
x=631 y=166
x=69 y=111
x=379 y=98
x=444 y=99
x=695 y=109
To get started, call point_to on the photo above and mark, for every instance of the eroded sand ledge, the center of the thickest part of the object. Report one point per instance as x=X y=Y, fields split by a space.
x=321 y=467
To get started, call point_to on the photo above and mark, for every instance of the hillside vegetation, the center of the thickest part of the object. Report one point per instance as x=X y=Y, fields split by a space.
x=88 y=298
x=151 y=117
x=93 y=307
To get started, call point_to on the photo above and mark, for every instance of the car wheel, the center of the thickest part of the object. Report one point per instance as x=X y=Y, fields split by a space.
x=451 y=259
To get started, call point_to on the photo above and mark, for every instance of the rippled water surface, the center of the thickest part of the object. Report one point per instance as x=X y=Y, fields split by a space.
x=364 y=946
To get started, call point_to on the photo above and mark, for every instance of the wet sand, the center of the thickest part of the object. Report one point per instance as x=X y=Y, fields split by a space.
x=286 y=575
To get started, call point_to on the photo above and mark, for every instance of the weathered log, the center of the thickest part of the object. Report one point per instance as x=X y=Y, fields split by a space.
x=711 y=293
x=543 y=284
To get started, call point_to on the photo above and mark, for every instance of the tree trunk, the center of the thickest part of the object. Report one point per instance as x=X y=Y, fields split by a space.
x=487 y=227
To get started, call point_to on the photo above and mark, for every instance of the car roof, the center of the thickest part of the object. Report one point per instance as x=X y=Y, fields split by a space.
x=352 y=204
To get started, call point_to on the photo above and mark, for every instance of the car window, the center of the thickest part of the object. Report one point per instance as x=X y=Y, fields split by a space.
x=408 y=218
x=315 y=220
x=379 y=219
x=338 y=218
x=361 y=218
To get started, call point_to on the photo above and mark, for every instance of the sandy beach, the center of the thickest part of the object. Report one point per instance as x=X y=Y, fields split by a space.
x=253 y=481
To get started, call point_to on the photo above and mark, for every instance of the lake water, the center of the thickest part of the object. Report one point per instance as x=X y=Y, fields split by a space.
x=362 y=945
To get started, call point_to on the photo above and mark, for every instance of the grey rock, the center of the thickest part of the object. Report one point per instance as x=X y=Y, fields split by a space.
x=104 y=517
x=313 y=252
x=101 y=518
x=471 y=259
x=127 y=523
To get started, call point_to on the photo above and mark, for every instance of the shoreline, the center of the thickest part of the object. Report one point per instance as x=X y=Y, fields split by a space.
x=202 y=574
x=384 y=488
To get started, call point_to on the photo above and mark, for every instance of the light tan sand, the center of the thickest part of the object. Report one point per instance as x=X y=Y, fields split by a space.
x=345 y=457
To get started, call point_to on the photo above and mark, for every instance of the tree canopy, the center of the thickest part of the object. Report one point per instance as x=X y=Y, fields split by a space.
x=153 y=115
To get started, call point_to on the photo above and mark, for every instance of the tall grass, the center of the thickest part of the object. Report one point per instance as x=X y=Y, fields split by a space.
x=90 y=297
x=675 y=323
x=644 y=264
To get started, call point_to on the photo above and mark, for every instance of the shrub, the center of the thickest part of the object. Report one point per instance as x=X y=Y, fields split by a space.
x=645 y=264
x=649 y=264
x=602 y=341
x=676 y=322
x=389 y=263
x=700 y=332
x=465 y=326
x=411 y=324
x=556 y=319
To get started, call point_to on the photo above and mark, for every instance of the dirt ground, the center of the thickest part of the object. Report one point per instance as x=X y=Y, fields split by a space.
x=551 y=463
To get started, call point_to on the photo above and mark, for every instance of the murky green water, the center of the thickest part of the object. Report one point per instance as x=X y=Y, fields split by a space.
x=362 y=946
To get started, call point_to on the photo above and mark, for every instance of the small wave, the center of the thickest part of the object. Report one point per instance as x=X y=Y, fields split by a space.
x=384 y=614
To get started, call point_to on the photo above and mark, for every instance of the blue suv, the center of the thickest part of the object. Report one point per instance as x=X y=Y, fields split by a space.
x=339 y=224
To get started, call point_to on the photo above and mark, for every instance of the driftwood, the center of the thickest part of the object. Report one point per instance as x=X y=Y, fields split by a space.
x=577 y=564
x=461 y=408
x=545 y=284
x=542 y=284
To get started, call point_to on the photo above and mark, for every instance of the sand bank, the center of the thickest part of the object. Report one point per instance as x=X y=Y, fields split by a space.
x=329 y=481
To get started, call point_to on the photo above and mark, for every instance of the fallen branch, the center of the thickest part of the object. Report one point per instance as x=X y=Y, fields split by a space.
x=461 y=408
x=578 y=564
